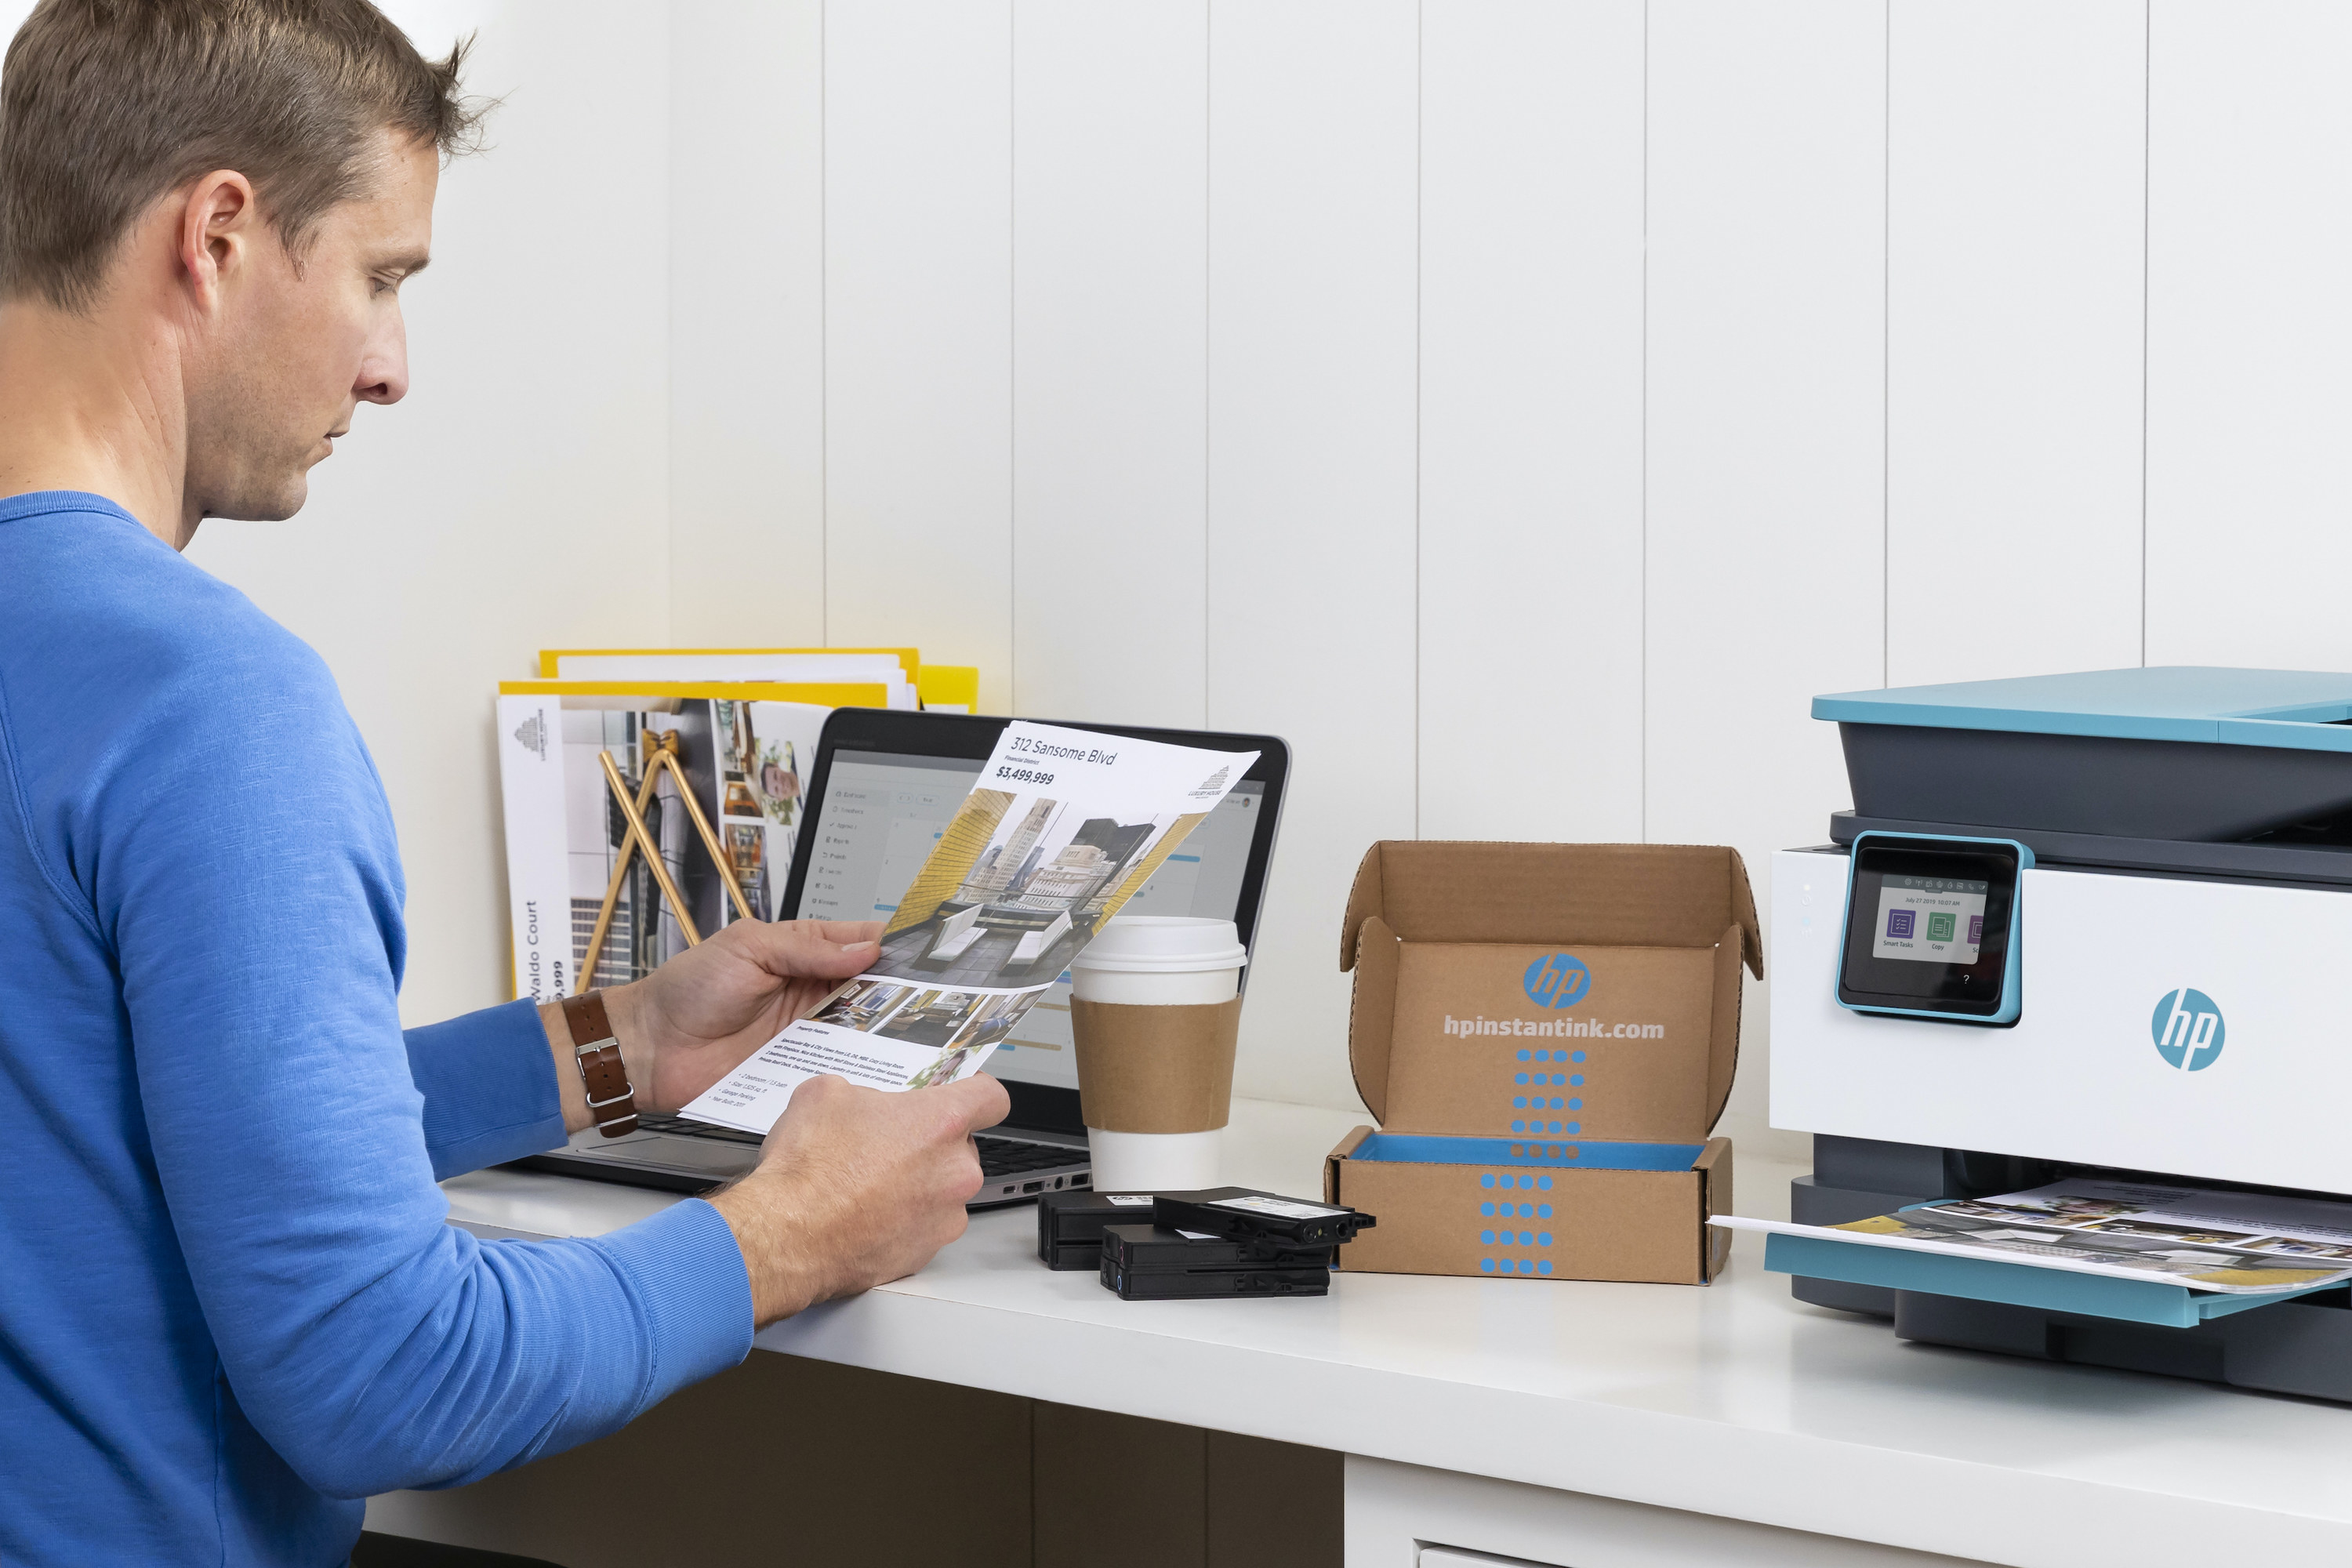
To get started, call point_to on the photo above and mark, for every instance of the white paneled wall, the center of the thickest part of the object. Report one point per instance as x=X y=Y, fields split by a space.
x=1312 y=537
x=2249 y=334
x=1765 y=474
x=1530 y=540
x=747 y=324
x=1110 y=332
x=2016 y=130
x=1523 y=406
x=918 y=329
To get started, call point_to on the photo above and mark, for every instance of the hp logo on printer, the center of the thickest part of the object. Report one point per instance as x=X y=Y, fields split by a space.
x=1557 y=979
x=2188 y=1029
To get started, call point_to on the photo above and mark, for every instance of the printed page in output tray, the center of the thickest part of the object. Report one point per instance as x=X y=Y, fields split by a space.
x=1065 y=826
x=2204 y=1238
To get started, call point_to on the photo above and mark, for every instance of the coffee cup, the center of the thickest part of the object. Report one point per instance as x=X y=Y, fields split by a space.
x=1155 y=1011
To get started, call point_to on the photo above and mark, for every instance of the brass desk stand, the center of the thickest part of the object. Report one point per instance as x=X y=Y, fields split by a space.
x=659 y=752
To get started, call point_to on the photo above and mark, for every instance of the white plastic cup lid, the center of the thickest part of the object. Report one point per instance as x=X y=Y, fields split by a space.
x=1163 y=944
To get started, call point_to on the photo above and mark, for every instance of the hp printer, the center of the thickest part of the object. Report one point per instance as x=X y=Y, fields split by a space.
x=2080 y=924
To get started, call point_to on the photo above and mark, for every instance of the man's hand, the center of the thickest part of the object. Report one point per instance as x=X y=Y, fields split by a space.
x=856 y=1187
x=695 y=1019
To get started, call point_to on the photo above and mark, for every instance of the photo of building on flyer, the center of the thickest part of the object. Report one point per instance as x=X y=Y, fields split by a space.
x=1017 y=885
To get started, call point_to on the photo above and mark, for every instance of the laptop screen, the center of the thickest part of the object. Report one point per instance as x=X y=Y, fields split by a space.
x=883 y=811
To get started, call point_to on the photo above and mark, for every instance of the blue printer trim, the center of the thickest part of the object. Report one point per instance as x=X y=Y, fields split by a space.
x=2288 y=708
x=2015 y=1284
x=2181 y=754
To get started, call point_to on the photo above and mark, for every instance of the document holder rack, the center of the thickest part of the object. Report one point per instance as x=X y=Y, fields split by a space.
x=659 y=753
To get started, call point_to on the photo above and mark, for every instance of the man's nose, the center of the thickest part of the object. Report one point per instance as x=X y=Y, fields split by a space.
x=384 y=374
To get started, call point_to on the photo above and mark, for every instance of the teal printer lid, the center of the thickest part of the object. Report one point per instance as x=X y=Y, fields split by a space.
x=2299 y=710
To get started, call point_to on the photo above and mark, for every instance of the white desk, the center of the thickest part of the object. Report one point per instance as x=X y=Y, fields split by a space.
x=1732 y=1401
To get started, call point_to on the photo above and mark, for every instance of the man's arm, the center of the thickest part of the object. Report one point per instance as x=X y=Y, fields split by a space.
x=242 y=867
x=489 y=1095
x=857 y=1188
x=503 y=1082
x=697 y=1018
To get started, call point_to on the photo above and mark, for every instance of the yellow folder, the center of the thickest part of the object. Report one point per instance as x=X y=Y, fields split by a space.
x=823 y=694
x=550 y=658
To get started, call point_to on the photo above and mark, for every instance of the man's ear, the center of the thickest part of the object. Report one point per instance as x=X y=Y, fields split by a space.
x=219 y=223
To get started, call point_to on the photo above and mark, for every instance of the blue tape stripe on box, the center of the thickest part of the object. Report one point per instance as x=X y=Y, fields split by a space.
x=1589 y=1153
x=2016 y=1284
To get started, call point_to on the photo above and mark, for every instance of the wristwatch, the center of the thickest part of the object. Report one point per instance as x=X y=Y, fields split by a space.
x=611 y=1097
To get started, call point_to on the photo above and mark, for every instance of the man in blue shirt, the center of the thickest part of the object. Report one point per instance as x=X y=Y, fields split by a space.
x=228 y=1296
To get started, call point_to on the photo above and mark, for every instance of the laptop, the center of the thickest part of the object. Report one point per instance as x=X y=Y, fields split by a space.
x=884 y=785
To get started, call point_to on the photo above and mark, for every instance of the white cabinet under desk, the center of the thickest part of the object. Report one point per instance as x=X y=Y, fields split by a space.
x=1584 y=1425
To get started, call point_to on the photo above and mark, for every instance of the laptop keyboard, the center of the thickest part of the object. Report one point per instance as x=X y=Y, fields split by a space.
x=998 y=1156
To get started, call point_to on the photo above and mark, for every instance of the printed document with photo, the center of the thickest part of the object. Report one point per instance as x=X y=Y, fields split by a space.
x=1062 y=829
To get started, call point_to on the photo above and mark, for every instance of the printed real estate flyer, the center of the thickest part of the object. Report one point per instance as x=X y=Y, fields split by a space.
x=1062 y=829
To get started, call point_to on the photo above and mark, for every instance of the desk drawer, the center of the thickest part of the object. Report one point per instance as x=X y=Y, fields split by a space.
x=1406 y=1516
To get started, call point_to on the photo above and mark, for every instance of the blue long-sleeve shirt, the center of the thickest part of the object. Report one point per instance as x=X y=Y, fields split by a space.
x=229 y=1305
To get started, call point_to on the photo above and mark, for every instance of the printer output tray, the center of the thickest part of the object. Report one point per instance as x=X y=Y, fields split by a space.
x=2011 y=1284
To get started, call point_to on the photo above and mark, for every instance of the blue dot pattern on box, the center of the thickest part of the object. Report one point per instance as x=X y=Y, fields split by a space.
x=1526 y=1126
x=1490 y=1236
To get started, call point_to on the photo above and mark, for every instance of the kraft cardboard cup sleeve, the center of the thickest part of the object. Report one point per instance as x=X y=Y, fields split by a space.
x=1154 y=1015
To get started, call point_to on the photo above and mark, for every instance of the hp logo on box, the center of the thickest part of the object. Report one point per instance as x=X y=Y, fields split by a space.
x=2188 y=1029
x=1557 y=979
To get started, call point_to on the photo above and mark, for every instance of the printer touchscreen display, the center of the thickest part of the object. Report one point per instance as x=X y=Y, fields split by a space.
x=1929 y=927
x=1937 y=919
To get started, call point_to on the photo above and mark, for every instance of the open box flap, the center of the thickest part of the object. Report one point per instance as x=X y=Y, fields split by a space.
x=1713 y=1167
x=1648 y=1053
x=1336 y=1158
x=1723 y=1041
x=1371 y=1016
x=1464 y=1051
x=1615 y=895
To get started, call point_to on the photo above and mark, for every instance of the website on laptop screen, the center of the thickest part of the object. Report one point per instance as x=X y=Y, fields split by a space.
x=881 y=814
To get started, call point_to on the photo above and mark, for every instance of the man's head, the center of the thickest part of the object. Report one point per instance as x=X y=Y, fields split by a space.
x=253 y=178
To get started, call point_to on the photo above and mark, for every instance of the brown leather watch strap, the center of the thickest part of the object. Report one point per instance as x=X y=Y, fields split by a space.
x=611 y=1099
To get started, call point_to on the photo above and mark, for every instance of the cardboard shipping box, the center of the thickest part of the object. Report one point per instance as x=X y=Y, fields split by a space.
x=1547 y=1034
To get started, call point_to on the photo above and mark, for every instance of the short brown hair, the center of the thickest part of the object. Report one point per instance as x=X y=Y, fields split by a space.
x=106 y=105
